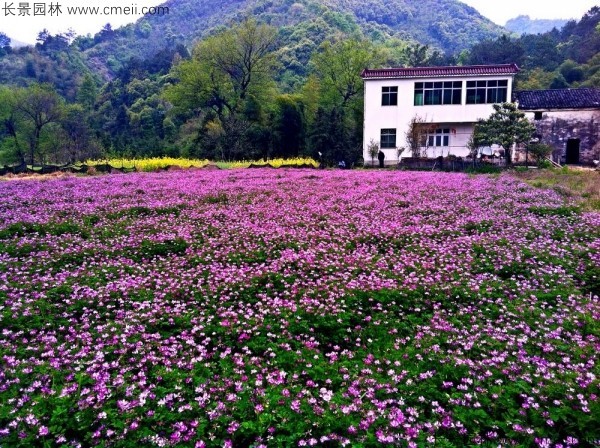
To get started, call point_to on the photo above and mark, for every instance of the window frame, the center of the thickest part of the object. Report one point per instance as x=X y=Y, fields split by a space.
x=391 y=94
x=439 y=139
x=487 y=91
x=385 y=139
x=437 y=93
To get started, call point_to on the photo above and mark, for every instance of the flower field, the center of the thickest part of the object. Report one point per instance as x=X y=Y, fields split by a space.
x=282 y=308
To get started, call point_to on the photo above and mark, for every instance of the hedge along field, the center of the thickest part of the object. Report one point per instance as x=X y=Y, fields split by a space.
x=295 y=308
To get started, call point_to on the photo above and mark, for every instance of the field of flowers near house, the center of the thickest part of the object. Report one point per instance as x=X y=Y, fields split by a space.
x=297 y=308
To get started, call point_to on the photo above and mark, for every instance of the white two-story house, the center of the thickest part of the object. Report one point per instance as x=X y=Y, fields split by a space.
x=449 y=100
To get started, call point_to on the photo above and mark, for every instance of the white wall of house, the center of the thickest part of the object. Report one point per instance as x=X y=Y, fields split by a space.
x=458 y=119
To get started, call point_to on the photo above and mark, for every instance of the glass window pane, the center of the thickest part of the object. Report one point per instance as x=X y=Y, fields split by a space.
x=471 y=96
x=418 y=85
x=456 y=97
x=428 y=97
x=448 y=96
x=503 y=83
x=457 y=84
x=437 y=85
x=501 y=98
x=470 y=83
x=446 y=140
x=480 y=96
x=418 y=98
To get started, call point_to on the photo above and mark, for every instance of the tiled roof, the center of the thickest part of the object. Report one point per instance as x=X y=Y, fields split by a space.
x=432 y=72
x=588 y=98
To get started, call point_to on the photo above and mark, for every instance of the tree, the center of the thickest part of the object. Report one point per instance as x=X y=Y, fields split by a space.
x=338 y=67
x=224 y=70
x=417 y=55
x=503 y=50
x=78 y=143
x=288 y=126
x=245 y=55
x=337 y=73
x=9 y=124
x=230 y=75
x=540 y=152
x=416 y=135
x=38 y=107
x=4 y=40
x=507 y=126
x=88 y=92
x=373 y=150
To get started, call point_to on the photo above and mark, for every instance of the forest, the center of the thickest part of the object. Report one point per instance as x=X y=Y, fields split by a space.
x=262 y=87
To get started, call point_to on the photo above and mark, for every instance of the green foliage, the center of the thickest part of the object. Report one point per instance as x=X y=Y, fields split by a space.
x=373 y=150
x=506 y=127
x=338 y=66
x=32 y=115
x=563 y=211
x=552 y=59
x=540 y=153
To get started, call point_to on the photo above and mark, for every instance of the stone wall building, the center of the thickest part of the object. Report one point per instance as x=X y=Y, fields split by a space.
x=566 y=119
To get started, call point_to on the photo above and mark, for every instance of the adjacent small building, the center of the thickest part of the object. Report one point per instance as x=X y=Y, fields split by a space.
x=566 y=119
x=449 y=100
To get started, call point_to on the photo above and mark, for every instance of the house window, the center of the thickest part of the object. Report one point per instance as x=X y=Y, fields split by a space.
x=432 y=93
x=537 y=116
x=487 y=92
x=441 y=137
x=389 y=96
x=388 y=138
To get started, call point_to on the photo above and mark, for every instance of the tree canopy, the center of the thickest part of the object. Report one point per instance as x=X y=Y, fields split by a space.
x=507 y=126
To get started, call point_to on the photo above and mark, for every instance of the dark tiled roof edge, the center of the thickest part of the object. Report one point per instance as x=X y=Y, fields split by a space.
x=582 y=98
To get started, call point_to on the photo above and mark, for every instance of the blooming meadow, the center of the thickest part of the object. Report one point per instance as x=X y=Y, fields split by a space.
x=297 y=308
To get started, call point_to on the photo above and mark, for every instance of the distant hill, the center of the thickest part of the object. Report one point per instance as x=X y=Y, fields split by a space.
x=17 y=43
x=448 y=25
x=527 y=25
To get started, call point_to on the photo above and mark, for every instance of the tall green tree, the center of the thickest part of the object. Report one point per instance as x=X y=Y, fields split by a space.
x=37 y=107
x=337 y=68
x=225 y=70
x=88 y=92
x=507 y=126
x=12 y=144
x=229 y=83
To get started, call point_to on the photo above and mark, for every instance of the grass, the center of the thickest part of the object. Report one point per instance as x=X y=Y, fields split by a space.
x=579 y=184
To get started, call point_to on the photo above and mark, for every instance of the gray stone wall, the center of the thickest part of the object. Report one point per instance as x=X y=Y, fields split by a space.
x=556 y=128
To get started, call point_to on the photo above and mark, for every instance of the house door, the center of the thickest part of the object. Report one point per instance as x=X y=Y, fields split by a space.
x=573 y=151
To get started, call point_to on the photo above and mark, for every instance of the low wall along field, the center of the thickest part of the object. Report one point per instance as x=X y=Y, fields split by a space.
x=297 y=308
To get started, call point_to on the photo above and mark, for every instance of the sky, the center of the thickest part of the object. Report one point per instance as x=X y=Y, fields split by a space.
x=26 y=28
